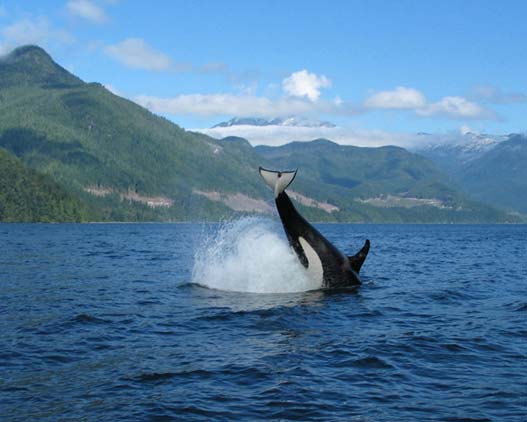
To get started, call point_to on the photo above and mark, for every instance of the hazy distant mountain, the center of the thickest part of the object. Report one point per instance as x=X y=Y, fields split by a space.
x=453 y=152
x=114 y=158
x=489 y=168
x=499 y=176
x=293 y=121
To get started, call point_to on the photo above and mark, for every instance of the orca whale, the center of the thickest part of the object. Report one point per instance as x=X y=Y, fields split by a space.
x=322 y=260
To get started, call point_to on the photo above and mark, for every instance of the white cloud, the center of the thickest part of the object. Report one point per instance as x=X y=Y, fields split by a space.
x=247 y=104
x=248 y=89
x=214 y=67
x=136 y=53
x=397 y=99
x=236 y=105
x=465 y=129
x=280 y=135
x=457 y=107
x=402 y=98
x=86 y=9
x=34 y=31
x=493 y=95
x=305 y=84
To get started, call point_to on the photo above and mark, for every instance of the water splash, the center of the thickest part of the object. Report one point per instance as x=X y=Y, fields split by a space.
x=249 y=255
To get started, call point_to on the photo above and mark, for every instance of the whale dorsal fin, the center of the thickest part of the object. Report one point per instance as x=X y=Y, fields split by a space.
x=357 y=260
x=277 y=180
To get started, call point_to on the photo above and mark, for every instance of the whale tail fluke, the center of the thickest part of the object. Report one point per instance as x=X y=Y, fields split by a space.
x=277 y=180
x=358 y=259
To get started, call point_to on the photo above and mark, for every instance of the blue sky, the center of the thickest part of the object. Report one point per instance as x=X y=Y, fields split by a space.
x=377 y=68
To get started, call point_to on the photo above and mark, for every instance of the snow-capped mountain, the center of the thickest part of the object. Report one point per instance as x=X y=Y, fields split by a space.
x=274 y=131
x=499 y=176
x=453 y=152
x=489 y=168
x=291 y=121
x=468 y=142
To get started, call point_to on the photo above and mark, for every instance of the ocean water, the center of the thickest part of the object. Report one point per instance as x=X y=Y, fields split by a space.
x=163 y=322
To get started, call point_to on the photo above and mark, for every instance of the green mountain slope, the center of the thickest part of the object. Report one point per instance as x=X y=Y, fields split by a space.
x=90 y=140
x=26 y=195
x=19 y=68
x=128 y=164
x=377 y=184
x=363 y=171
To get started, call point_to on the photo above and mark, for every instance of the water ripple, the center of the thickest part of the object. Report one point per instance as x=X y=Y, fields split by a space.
x=101 y=322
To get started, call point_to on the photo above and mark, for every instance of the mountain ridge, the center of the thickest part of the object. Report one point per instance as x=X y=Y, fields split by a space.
x=18 y=68
x=489 y=168
x=453 y=152
x=131 y=165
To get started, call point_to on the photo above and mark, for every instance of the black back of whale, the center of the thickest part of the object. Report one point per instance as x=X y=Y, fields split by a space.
x=339 y=269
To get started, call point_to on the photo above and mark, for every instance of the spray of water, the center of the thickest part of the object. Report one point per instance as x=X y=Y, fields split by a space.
x=249 y=255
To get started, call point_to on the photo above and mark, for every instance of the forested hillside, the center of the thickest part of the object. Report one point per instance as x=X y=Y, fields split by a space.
x=123 y=163
x=28 y=196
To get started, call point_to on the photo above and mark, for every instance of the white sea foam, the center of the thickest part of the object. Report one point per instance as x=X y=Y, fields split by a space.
x=249 y=255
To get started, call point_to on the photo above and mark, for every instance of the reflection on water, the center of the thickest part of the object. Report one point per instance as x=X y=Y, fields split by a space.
x=243 y=302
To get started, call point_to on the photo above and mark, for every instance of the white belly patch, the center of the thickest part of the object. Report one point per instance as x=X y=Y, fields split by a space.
x=314 y=269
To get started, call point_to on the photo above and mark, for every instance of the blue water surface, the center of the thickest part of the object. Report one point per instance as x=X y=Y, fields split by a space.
x=100 y=322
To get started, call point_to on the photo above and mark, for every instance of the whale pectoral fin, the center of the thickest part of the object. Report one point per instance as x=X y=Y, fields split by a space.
x=358 y=259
